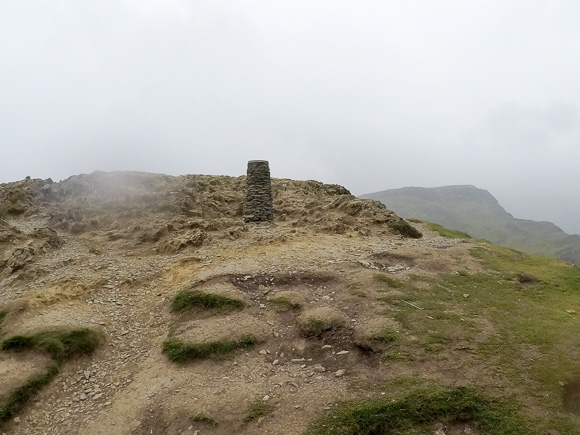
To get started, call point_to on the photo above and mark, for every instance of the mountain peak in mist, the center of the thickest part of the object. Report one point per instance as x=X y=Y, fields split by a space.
x=477 y=212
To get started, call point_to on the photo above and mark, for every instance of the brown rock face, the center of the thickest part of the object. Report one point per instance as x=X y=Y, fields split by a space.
x=258 y=203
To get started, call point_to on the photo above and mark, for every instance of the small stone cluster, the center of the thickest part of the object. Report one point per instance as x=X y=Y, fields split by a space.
x=258 y=203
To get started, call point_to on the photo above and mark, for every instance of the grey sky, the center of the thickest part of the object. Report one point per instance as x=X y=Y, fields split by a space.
x=369 y=94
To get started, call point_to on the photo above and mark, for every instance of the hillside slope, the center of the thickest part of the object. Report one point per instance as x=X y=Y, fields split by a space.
x=138 y=303
x=476 y=212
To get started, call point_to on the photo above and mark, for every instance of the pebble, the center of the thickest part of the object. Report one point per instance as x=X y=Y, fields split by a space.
x=339 y=373
x=343 y=352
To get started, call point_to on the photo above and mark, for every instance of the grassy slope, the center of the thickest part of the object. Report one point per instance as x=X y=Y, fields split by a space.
x=507 y=342
x=477 y=213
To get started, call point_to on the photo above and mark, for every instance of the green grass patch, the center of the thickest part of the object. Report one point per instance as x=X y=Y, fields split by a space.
x=187 y=300
x=522 y=333
x=514 y=323
x=513 y=264
x=315 y=326
x=355 y=290
x=181 y=352
x=257 y=410
x=202 y=418
x=396 y=356
x=444 y=232
x=59 y=344
x=387 y=337
x=533 y=341
x=420 y=409
x=381 y=277
x=16 y=400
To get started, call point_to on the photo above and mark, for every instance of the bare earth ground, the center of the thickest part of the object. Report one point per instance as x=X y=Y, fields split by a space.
x=138 y=389
x=101 y=279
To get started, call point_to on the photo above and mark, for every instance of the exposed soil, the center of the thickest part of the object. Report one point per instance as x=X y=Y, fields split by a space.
x=116 y=248
x=571 y=396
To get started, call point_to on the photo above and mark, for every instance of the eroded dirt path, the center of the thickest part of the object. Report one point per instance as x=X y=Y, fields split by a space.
x=129 y=386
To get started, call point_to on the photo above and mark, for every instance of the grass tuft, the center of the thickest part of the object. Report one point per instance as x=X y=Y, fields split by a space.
x=451 y=234
x=418 y=409
x=283 y=303
x=526 y=278
x=16 y=400
x=386 y=336
x=257 y=410
x=181 y=352
x=381 y=277
x=202 y=418
x=405 y=229
x=318 y=320
x=59 y=344
x=314 y=326
x=187 y=300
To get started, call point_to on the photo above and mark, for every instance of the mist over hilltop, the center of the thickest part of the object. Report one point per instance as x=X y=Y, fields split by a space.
x=365 y=94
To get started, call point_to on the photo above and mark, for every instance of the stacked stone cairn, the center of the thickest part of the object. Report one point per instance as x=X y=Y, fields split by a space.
x=258 y=203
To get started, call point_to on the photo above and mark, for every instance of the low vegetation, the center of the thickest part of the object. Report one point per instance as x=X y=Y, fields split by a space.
x=316 y=321
x=391 y=282
x=19 y=397
x=386 y=336
x=61 y=345
x=404 y=228
x=258 y=409
x=181 y=352
x=444 y=232
x=188 y=300
x=284 y=303
x=202 y=418
x=461 y=318
x=419 y=410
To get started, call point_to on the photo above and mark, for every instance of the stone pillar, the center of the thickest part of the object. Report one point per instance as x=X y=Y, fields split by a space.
x=258 y=203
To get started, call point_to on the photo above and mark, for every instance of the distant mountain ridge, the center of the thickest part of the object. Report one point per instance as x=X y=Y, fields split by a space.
x=476 y=212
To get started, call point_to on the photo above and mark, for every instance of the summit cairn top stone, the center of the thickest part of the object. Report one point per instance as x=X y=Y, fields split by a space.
x=258 y=203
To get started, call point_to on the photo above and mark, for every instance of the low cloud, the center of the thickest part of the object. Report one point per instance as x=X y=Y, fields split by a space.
x=512 y=125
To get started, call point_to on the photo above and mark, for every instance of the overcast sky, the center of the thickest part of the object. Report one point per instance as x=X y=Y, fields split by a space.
x=372 y=95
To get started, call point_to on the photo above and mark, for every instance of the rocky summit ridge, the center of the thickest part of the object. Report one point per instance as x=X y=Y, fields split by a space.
x=136 y=303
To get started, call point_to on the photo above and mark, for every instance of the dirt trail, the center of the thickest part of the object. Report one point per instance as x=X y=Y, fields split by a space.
x=113 y=278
